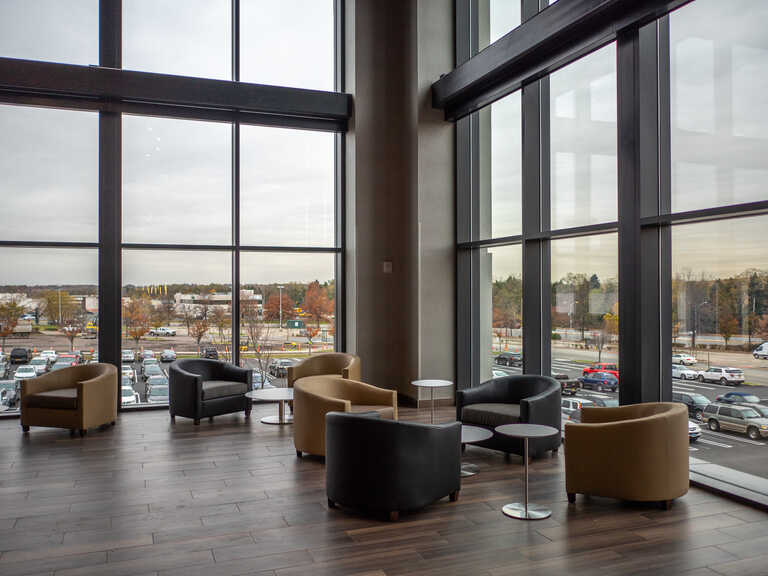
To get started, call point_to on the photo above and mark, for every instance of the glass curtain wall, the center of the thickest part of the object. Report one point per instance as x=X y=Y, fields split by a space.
x=718 y=88
x=224 y=225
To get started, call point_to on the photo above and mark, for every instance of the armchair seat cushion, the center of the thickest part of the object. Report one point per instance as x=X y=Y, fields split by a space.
x=61 y=399
x=384 y=411
x=221 y=388
x=491 y=415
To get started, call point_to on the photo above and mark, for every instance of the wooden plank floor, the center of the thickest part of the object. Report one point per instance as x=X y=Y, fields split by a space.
x=231 y=498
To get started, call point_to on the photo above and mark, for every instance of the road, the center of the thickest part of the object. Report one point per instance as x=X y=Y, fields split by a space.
x=724 y=448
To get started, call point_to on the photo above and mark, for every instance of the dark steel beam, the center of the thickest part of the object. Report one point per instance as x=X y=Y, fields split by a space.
x=102 y=83
x=549 y=40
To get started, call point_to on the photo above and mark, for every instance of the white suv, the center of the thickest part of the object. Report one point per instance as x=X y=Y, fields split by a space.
x=725 y=376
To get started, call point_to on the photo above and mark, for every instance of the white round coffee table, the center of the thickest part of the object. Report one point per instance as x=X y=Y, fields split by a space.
x=280 y=395
x=471 y=435
x=526 y=511
x=432 y=384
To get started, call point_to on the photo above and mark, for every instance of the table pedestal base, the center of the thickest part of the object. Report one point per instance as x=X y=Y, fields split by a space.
x=276 y=420
x=535 y=512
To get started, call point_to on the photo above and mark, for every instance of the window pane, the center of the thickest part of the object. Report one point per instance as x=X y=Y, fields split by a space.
x=501 y=311
x=175 y=304
x=583 y=141
x=177 y=181
x=187 y=38
x=585 y=314
x=49 y=301
x=501 y=183
x=50 y=30
x=294 y=290
x=719 y=334
x=287 y=187
x=287 y=43
x=719 y=98
x=496 y=18
x=49 y=174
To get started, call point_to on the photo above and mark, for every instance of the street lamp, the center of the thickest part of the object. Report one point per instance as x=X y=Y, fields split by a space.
x=281 y=305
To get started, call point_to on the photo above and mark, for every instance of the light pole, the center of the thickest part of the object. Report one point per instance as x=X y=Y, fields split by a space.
x=281 y=305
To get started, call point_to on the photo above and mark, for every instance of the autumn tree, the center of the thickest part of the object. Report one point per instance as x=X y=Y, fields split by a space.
x=258 y=335
x=59 y=306
x=728 y=297
x=10 y=312
x=316 y=303
x=220 y=319
x=136 y=316
x=198 y=329
x=272 y=307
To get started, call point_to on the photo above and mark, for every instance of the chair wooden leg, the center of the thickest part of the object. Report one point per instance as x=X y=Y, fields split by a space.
x=331 y=503
x=173 y=418
x=210 y=418
x=83 y=432
x=453 y=496
x=298 y=453
x=24 y=428
x=394 y=516
x=197 y=421
x=571 y=497
x=666 y=504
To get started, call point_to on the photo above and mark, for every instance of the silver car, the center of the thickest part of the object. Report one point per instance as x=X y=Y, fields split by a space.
x=736 y=418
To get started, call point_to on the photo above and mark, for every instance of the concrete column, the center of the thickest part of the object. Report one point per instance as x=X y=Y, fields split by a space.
x=400 y=193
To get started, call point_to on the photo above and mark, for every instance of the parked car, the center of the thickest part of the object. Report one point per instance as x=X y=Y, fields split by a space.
x=168 y=356
x=759 y=408
x=94 y=358
x=509 y=359
x=64 y=363
x=724 y=376
x=128 y=395
x=152 y=370
x=24 y=372
x=498 y=373
x=128 y=372
x=683 y=373
x=694 y=431
x=9 y=393
x=3 y=367
x=20 y=355
x=600 y=381
x=209 y=352
x=42 y=365
x=602 y=401
x=761 y=351
x=162 y=331
x=738 y=398
x=602 y=367
x=696 y=403
x=73 y=358
x=567 y=385
x=148 y=362
x=735 y=418
x=279 y=368
x=50 y=354
x=569 y=405
x=127 y=356
x=146 y=354
x=158 y=395
x=126 y=381
x=683 y=359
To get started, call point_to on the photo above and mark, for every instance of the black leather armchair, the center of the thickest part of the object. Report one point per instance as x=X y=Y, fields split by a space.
x=527 y=399
x=382 y=466
x=200 y=388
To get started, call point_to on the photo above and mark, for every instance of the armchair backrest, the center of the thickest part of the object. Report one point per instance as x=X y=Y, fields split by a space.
x=338 y=363
x=204 y=367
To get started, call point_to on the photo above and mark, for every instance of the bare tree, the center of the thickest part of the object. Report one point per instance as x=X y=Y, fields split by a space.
x=199 y=329
x=259 y=337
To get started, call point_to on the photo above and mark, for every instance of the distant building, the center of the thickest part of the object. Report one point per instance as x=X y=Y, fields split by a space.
x=196 y=303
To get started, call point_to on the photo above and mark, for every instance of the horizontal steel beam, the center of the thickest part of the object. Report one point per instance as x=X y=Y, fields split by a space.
x=110 y=85
x=549 y=40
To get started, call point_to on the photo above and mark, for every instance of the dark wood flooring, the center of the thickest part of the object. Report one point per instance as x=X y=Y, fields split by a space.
x=230 y=498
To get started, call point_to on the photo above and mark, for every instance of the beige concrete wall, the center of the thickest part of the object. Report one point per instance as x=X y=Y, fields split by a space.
x=400 y=193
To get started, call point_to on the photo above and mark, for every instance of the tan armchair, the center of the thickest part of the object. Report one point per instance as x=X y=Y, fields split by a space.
x=315 y=396
x=345 y=365
x=637 y=452
x=78 y=398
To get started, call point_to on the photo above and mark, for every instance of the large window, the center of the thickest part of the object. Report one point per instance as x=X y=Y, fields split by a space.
x=583 y=141
x=49 y=314
x=50 y=30
x=495 y=19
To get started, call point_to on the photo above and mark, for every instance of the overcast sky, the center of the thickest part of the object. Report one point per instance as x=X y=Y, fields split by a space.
x=177 y=174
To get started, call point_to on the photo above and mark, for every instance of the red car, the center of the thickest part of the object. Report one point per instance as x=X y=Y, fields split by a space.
x=603 y=367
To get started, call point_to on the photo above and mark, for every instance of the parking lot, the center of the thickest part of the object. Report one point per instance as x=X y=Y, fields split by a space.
x=725 y=448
